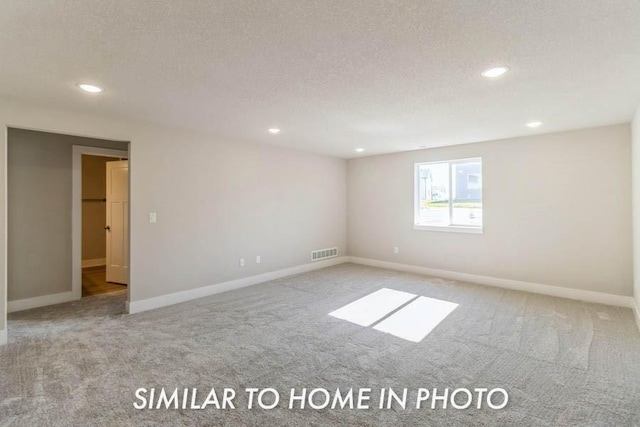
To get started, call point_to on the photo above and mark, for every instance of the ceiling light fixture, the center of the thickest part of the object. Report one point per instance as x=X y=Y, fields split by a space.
x=90 y=88
x=359 y=150
x=534 y=124
x=274 y=130
x=492 y=73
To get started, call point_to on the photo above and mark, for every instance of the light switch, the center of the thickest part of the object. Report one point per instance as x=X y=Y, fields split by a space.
x=152 y=217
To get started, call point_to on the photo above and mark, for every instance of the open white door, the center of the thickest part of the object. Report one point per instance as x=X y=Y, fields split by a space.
x=117 y=227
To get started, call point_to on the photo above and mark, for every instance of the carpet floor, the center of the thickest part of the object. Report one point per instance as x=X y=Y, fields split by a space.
x=562 y=362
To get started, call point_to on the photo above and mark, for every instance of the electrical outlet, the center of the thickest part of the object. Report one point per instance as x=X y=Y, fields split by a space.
x=153 y=217
x=396 y=250
x=241 y=262
x=258 y=260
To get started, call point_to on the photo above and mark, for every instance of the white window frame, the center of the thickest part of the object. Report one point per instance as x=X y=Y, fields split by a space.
x=453 y=228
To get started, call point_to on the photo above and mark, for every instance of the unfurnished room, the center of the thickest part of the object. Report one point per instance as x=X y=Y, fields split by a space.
x=292 y=213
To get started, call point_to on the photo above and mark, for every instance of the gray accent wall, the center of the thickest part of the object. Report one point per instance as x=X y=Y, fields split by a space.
x=39 y=210
x=556 y=207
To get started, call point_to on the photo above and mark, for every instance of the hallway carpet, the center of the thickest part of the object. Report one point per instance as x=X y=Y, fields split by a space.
x=562 y=362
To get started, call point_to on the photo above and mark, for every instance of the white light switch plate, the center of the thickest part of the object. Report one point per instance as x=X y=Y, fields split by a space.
x=152 y=217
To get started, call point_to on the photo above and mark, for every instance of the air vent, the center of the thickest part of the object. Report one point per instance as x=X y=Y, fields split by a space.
x=324 y=254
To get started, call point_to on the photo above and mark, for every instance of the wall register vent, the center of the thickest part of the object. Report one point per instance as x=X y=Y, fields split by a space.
x=324 y=254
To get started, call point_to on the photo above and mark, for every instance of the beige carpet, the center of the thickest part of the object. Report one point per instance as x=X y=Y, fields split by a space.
x=562 y=362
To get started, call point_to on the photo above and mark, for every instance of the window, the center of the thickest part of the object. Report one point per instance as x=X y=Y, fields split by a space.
x=448 y=195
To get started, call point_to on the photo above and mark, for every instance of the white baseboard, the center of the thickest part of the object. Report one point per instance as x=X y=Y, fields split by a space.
x=3 y=336
x=98 y=262
x=26 y=304
x=636 y=310
x=556 y=291
x=183 y=296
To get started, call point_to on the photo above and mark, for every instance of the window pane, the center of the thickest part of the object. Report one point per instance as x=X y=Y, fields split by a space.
x=434 y=194
x=467 y=193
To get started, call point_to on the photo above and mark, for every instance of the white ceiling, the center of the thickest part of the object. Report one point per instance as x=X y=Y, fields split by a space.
x=332 y=74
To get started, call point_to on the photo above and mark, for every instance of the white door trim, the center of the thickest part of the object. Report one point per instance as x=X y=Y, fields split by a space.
x=76 y=209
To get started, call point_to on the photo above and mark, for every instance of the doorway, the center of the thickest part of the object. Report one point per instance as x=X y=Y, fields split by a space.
x=104 y=224
x=100 y=221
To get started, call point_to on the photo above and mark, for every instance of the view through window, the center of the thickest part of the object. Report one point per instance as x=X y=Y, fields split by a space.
x=449 y=194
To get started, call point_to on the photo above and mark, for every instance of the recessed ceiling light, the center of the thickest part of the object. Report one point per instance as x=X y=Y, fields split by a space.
x=90 y=88
x=492 y=73
x=534 y=124
x=359 y=150
x=274 y=130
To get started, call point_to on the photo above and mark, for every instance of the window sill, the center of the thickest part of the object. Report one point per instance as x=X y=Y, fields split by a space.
x=449 y=228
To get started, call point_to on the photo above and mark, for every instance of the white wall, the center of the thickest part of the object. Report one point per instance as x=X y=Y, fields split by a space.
x=216 y=201
x=635 y=159
x=557 y=211
x=219 y=201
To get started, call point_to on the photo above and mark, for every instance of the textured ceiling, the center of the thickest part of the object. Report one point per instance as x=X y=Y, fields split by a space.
x=333 y=75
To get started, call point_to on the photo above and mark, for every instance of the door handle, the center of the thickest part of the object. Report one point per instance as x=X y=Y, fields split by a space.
x=108 y=228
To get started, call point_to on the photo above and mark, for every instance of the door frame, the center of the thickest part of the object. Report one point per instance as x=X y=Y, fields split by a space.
x=76 y=210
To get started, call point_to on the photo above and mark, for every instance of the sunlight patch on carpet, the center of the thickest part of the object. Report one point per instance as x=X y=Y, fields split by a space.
x=398 y=313
x=416 y=320
x=373 y=307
